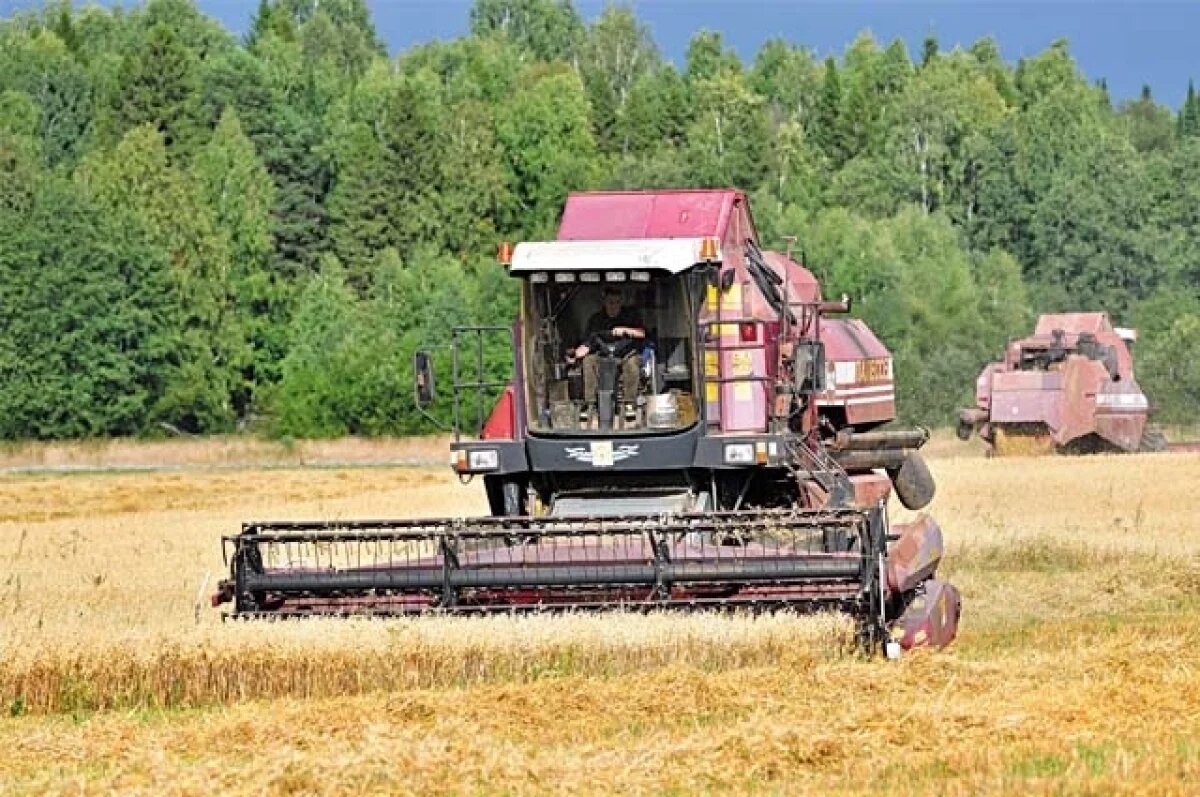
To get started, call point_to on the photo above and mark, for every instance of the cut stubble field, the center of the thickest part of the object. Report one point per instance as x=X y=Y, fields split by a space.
x=1077 y=669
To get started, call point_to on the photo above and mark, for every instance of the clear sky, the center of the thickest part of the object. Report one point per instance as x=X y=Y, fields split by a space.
x=1128 y=43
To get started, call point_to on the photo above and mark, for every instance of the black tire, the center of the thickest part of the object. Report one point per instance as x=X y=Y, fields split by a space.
x=913 y=482
x=1153 y=440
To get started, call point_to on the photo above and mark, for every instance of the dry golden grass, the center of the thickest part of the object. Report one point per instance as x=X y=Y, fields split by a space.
x=1077 y=670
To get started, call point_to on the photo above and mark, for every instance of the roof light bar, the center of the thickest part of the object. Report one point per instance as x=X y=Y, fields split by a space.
x=639 y=276
x=564 y=276
x=614 y=276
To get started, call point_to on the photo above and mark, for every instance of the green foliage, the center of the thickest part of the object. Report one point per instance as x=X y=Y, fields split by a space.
x=549 y=30
x=708 y=58
x=157 y=86
x=729 y=142
x=1189 y=115
x=207 y=234
x=548 y=148
x=656 y=113
x=339 y=33
x=86 y=300
x=1166 y=366
x=1151 y=127
x=349 y=368
x=137 y=180
x=616 y=51
x=789 y=79
x=941 y=123
x=236 y=189
x=40 y=65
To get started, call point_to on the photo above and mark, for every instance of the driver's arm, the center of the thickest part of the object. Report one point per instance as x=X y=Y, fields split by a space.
x=632 y=328
x=594 y=326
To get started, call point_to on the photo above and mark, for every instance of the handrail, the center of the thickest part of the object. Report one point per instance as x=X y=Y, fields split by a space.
x=479 y=384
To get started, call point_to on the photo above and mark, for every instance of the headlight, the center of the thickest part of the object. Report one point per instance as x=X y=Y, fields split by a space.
x=486 y=459
x=739 y=453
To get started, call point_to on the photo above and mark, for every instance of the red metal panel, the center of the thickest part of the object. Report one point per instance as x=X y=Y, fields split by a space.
x=802 y=285
x=615 y=215
x=743 y=403
x=501 y=424
x=931 y=620
x=1018 y=403
x=861 y=370
x=870 y=488
x=1122 y=429
x=1081 y=381
x=916 y=553
x=850 y=339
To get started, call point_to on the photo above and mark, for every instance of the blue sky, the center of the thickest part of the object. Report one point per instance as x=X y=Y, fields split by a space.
x=1127 y=43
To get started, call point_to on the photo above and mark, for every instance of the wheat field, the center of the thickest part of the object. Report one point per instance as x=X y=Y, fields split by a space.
x=1077 y=670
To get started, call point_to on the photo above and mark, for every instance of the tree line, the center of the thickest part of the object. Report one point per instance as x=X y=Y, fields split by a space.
x=206 y=233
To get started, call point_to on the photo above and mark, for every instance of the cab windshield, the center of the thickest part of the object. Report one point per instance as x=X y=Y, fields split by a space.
x=614 y=357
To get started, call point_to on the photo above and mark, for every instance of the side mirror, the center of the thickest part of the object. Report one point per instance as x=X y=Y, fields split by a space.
x=727 y=278
x=809 y=366
x=423 y=378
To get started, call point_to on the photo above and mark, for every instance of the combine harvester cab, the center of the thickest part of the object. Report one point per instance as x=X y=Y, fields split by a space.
x=720 y=449
x=1068 y=388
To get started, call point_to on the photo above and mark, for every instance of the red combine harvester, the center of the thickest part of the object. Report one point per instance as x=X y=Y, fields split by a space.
x=1067 y=388
x=684 y=425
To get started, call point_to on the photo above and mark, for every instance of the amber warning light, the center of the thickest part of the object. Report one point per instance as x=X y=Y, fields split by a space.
x=504 y=253
x=708 y=249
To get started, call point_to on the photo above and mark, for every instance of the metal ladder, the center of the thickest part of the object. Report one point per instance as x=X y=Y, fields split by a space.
x=806 y=462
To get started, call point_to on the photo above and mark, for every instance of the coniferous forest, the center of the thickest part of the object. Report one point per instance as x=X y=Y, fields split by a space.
x=205 y=232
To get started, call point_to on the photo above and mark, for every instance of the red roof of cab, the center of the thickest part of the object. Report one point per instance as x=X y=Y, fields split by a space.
x=617 y=215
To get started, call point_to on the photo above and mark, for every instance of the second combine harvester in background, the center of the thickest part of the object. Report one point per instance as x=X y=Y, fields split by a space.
x=1068 y=388
x=728 y=455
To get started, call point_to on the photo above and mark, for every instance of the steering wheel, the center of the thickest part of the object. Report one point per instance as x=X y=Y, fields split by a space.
x=611 y=346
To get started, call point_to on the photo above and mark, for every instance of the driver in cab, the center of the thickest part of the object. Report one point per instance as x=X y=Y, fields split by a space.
x=621 y=328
